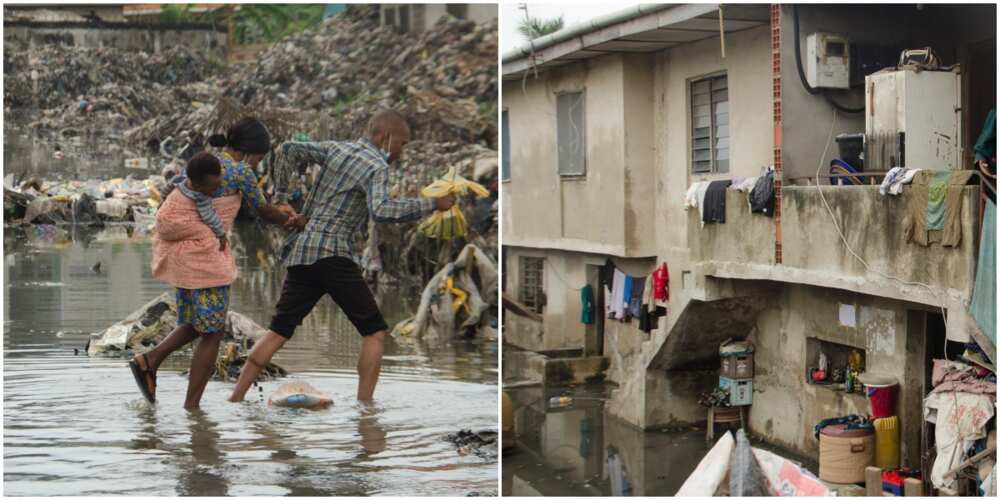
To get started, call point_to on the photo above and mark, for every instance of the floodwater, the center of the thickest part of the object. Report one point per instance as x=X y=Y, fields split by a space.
x=77 y=425
x=578 y=450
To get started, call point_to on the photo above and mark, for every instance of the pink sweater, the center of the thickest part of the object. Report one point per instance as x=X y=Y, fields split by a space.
x=185 y=250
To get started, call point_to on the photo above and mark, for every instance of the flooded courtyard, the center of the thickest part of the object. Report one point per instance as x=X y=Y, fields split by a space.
x=77 y=425
x=578 y=450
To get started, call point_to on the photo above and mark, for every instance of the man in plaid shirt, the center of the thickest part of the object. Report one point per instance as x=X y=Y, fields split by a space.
x=353 y=185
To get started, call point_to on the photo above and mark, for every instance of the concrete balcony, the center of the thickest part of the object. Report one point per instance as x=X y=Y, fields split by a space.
x=813 y=252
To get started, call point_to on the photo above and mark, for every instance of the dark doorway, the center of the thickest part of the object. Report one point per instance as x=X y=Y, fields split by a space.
x=982 y=87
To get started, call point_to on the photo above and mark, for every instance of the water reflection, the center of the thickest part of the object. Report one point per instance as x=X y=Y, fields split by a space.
x=580 y=451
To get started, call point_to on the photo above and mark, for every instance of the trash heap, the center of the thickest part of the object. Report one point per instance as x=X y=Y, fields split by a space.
x=149 y=324
x=83 y=91
x=90 y=202
x=443 y=79
x=162 y=107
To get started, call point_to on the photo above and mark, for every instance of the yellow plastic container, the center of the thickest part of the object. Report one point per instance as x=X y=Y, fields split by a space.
x=507 y=414
x=887 y=442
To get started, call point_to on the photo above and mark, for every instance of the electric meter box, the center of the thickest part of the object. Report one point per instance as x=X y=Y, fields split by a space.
x=828 y=61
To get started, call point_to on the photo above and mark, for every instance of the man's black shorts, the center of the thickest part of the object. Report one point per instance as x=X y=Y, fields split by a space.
x=339 y=277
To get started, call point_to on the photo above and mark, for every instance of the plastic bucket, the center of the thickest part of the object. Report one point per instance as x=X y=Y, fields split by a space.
x=882 y=399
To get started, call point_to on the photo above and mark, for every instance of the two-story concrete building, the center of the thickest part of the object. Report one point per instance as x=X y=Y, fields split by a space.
x=607 y=125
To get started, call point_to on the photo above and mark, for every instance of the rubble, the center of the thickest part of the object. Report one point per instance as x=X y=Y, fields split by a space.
x=148 y=325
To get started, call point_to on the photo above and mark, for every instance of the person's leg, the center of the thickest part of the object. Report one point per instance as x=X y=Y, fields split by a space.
x=206 y=352
x=259 y=357
x=299 y=295
x=178 y=338
x=346 y=285
x=370 y=364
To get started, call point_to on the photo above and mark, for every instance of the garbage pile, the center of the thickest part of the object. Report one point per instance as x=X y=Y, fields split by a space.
x=162 y=107
x=90 y=202
x=148 y=325
x=457 y=301
x=443 y=79
x=80 y=90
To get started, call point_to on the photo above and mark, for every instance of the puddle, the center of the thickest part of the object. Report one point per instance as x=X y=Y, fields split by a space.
x=75 y=425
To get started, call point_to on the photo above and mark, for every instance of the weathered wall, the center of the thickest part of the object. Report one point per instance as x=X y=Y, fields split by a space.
x=786 y=407
x=640 y=175
x=747 y=67
x=873 y=225
x=665 y=399
x=745 y=237
x=592 y=213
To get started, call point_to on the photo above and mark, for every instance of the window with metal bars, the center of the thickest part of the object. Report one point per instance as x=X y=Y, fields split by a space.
x=532 y=283
x=710 y=125
x=570 y=134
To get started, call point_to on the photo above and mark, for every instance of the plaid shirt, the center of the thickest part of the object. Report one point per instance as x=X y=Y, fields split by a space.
x=353 y=183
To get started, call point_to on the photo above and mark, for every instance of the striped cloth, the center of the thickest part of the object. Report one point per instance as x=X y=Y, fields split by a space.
x=353 y=184
x=202 y=202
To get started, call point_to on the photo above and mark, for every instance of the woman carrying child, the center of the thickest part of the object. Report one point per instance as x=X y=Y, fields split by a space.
x=190 y=250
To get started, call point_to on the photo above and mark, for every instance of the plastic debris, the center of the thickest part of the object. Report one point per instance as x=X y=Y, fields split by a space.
x=148 y=325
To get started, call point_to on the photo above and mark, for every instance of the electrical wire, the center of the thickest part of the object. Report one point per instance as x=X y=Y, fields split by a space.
x=934 y=293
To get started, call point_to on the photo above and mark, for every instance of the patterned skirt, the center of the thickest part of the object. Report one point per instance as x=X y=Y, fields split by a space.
x=205 y=308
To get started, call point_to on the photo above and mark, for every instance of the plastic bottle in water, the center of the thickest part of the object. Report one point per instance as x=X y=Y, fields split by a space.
x=560 y=401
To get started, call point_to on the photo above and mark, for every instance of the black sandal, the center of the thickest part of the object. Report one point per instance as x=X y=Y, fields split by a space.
x=140 y=375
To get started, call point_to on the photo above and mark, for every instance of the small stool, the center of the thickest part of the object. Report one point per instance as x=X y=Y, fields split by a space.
x=723 y=415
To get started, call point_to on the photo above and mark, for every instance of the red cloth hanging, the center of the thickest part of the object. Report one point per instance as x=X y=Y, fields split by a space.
x=661 y=283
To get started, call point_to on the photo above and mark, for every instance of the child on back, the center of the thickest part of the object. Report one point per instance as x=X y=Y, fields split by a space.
x=201 y=181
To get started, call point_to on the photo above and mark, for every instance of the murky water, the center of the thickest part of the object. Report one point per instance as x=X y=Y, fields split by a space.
x=580 y=451
x=76 y=425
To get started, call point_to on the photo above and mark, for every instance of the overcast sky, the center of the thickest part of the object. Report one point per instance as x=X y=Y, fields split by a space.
x=511 y=14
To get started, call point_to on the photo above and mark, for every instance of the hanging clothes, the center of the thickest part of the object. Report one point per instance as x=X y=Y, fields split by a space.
x=895 y=178
x=715 y=202
x=618 y=295
x=608 y=273
x=626 y=297
x=661 y=284
x=638 y=286
x=923 y=204
x=983 y=306
x=695 y=198
x=762 y=196
x=587 y=305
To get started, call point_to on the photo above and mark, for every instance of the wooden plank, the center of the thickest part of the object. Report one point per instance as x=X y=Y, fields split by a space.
x=988 y=452
x=913 y=487
x=873 y=482
x=511 y=304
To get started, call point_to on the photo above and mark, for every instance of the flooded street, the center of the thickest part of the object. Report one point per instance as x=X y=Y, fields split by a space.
x=77 y=425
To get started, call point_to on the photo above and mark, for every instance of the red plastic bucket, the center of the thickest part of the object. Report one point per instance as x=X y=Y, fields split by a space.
x=882 y=399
